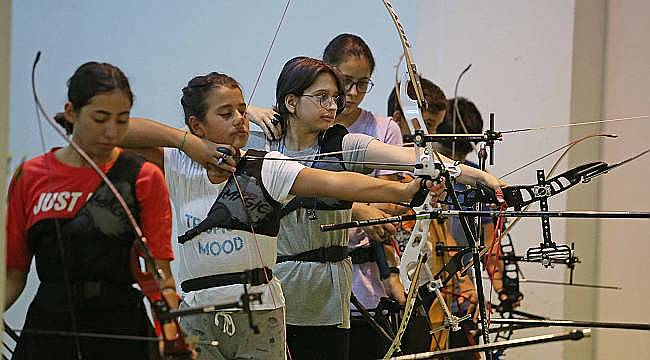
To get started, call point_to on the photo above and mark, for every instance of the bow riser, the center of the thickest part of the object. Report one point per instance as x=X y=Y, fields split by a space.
x=148 y=278
x=416 y=246
x=410 y=107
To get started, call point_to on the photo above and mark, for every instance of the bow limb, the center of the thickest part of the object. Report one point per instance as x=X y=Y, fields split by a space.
x=408 y=309
x=507 y=246
x=66 y=275
x=150 y=280
x=418 y=246
x=566 y=148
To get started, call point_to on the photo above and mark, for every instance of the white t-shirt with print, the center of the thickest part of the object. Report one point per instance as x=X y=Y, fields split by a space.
x=221 y=251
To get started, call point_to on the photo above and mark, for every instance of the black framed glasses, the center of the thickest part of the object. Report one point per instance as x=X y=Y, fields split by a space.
x=363 y=86
x=326 y=101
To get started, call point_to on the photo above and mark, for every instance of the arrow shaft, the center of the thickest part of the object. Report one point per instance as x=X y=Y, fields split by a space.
x=573 y=323
x=573 y=335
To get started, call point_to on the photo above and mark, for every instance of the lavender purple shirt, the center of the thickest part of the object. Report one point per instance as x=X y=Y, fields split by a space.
x=366 y=284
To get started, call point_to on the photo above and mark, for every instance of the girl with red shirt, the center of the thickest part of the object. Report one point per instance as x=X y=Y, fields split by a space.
x=61 y=214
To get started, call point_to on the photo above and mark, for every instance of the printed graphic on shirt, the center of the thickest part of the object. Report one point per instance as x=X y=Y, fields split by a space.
x=258 y=207
x=58 y=201
x=226 y=244
x=220 y=239
x=215 y=248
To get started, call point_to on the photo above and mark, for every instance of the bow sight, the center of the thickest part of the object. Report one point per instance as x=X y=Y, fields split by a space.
x=419 y=138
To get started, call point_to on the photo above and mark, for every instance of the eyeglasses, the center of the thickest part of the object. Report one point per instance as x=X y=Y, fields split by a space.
x=363 y=86
x=327 y=101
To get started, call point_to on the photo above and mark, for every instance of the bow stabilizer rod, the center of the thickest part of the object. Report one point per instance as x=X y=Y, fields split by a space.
x=439 y=213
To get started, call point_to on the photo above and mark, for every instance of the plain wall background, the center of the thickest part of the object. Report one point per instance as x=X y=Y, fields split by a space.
x=521 y=71
x=624 y=246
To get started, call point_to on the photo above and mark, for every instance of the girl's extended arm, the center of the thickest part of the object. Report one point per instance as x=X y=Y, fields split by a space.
x=378 y=151
x=353 y=186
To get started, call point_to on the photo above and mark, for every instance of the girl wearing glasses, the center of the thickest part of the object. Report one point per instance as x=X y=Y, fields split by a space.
x=314 y=267
x=223 y=245
x=354 y=60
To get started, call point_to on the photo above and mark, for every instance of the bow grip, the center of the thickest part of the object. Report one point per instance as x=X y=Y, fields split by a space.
x=421 y=195
x=485 y=194
x=511 y=195
x=382 y=263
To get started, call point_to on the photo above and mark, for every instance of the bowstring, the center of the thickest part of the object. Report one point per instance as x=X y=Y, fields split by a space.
x=575 y=124
x=268 y=52
x=234 y=176
x=57 y=225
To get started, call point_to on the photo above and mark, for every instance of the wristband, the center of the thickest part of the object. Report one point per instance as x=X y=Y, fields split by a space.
x=180 y=146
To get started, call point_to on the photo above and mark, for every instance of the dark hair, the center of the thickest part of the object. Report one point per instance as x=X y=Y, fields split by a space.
x=470 y=116
x=346 y=45
x=434 y=96
x=89 y=80
x=198 y=89
x=297 y=75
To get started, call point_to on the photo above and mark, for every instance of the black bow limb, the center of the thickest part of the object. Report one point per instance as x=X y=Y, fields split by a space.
x=518 y=196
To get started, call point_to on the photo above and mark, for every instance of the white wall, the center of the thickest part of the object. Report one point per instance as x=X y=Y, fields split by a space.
x=586 y=103
x=625 y=245
x=521 y=54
